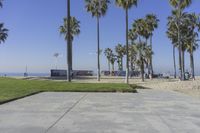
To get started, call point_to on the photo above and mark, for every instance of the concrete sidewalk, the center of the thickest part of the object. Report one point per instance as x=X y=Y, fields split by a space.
x=149 y=111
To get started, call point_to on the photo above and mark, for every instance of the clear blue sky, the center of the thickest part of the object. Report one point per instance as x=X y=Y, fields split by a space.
x=34 y=36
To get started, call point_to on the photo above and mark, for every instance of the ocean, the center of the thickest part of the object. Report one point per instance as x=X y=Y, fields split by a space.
x=22 y=74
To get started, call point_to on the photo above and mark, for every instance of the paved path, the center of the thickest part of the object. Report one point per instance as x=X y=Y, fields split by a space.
x=148 y=111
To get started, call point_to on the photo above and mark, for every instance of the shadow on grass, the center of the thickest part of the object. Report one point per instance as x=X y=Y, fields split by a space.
x=17 y=98
x=139 y=87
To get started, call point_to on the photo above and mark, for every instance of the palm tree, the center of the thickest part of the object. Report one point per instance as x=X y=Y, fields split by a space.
x=140 y=27
x=1 y=4
x=192 y=41
x=180 y=5
x=132 y=56
x=120 y=51
x=74 y=25
x=3 y=33
x=144 y=53
x=132 y=36
x=172 y=34
x=69 y=37
x=188 y=26
x=152 y=23
x=126 y=5
x=192 y=46
x=108 y=53
x=97 y=8
x=112 y=61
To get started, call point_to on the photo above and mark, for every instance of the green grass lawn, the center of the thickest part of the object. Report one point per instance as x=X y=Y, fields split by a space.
x=11 y=89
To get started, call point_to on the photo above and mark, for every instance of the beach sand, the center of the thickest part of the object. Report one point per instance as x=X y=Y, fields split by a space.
x=189 y=87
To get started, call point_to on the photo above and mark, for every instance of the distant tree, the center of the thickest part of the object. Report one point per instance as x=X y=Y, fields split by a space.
x=144 y=53
x=132 y=56
x=97 y=8
x=132 y=36
x=108 y=54
x=112 y=61
x=120 y=51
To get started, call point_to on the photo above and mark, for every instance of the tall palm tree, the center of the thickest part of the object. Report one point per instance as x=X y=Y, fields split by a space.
x=69 y=37
x=192 y=47
x=192 y=35
x=126 y=5
x=172 y=34
x=97 y=8
x=180 y=5
x=1 y=4
x=152 y=22
x=108 y=54
x=3 y=33
x=120 y=51
x=140 y=27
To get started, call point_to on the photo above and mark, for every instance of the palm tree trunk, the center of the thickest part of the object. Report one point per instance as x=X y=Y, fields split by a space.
x=182 y=74
x=142 y=63
x=127 y=58
x=113 y=68
x=174 y=58
x=183 y=64
x=148 y=62
x=180 y=67
x=122 y=64
x=108 y=65
x=192 y=65
x=142 y=69
x=119 y=65
x=151 y=59
x=71 y=56
x=68 y=43
x=98 y=51
x=131 y=63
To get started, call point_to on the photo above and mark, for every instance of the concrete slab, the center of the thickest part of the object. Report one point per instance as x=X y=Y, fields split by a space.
x=149 y=111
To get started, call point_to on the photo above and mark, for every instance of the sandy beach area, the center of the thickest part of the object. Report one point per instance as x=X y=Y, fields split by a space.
x=189 y=87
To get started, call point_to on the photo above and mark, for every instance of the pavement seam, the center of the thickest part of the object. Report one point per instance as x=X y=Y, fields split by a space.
x=66 y=112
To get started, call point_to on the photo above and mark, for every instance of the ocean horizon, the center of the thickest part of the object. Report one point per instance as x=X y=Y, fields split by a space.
x=9 y=74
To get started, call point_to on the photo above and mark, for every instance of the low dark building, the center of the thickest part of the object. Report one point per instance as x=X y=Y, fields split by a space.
x=83 y=73
x=58 y=73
